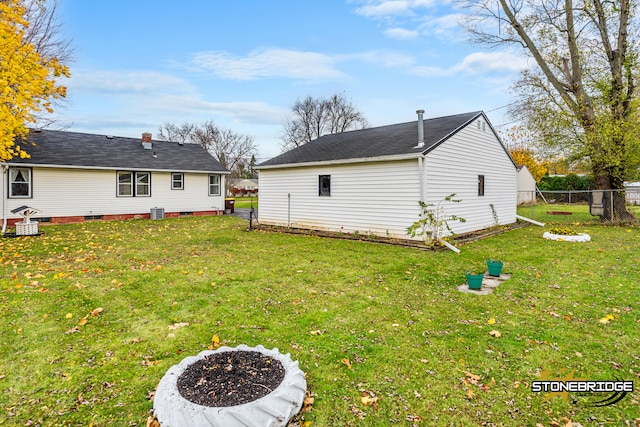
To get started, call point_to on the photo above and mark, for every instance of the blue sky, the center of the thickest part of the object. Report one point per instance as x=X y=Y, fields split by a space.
x=243 y=64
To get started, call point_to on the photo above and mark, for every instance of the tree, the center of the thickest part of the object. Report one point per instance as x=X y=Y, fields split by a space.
x=231 y=149
x=314 y=117
x=31 y=65
x=582 y=94
x=521 y=144
x=173 y=133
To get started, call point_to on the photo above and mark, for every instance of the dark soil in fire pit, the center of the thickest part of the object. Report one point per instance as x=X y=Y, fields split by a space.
x=230 y=378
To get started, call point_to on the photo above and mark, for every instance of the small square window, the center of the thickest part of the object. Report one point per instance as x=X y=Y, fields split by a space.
x=177 y=181
x=480 y=185
x=324 y=185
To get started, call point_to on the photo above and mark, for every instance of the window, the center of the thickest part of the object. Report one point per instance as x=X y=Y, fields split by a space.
x=480 y=185
x=143 y=184
x=214 y=185
x=324 y=185
x=177 y=181
x=20 y=182
x=126 y=182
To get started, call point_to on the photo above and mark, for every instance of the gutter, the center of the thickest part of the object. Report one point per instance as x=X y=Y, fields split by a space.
x=344 y=161
x=114 y=168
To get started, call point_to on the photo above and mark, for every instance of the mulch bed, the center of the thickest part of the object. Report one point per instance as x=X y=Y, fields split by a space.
x=230 y=378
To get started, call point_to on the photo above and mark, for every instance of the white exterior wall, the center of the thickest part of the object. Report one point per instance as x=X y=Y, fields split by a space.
x=526 y=186
x=79 y=192
x=377 y=197
x=454 y=166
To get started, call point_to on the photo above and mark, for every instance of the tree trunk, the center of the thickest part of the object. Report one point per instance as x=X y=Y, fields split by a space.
x=619 y=213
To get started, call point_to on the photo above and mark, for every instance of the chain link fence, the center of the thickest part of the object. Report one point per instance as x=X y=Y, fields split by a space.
x=596 y=202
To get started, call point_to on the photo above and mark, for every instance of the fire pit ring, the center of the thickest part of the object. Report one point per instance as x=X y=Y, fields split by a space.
x=275 y=409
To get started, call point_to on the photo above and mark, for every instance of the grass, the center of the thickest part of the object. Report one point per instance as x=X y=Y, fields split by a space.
x=361 y=318
x=246 y=202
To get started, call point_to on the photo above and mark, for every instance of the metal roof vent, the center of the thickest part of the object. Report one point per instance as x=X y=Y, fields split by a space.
x=420 y=129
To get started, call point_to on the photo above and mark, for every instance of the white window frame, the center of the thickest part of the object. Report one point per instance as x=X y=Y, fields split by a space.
x=27 y=174
x=179 y=181
x=141 y=185
x=215 y=187
x=135 y=185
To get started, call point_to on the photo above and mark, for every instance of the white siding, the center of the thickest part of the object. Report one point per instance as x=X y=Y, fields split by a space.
x=79 y=192
x=526 y=186
x=382 y=197
x=378 y=197
x=454 y=166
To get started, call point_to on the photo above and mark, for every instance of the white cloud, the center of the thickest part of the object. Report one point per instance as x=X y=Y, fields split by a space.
x=127 y=82
x=383 y=58
x=387 y=8
x=401 y=34
x=271 y=62
x=447 y=27
x=487 y=62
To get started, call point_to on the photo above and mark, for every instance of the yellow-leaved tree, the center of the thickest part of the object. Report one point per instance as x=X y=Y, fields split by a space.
x=525 y=156
x=29 y=79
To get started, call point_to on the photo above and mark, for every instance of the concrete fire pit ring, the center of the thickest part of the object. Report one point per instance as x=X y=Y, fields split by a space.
x=275 y=409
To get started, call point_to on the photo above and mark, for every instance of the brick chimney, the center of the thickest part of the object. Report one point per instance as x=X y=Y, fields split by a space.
x=146 y=141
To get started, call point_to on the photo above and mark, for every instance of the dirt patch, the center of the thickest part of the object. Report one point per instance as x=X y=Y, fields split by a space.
x=230 y=378
x=457 y=240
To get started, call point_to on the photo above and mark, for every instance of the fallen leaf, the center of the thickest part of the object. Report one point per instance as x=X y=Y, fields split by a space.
x=316 y=332
x=69 y=315
x=369 y=399
x=346 y=362
x=495 y=333
x=606 y=319
x=474 y=378
x=491 y=321
x=215 y=341
x=97 y=311
x=83 y=321
x=152 y=422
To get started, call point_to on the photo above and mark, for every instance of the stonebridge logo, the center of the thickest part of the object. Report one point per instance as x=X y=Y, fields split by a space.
x=599 y=393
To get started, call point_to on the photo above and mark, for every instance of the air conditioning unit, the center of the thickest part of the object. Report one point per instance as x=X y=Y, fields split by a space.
x=157 y=213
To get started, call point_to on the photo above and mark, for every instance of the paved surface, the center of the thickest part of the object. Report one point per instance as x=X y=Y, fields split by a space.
x=489 y=283
x=244 y=213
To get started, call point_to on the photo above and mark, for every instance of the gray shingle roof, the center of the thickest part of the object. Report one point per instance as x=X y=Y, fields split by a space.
x=73 y=149
x=392 y=140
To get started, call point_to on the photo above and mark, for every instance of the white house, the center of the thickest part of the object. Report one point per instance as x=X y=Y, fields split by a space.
x=526 y=186
x=632 y=192
x=74 y=177
x=371 y=180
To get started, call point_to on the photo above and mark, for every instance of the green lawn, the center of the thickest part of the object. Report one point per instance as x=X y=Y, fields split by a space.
x=246 y=202
x=93 y=315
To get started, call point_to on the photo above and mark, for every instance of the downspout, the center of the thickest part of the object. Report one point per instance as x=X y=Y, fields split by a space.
x=422 y=172
x=4 y=202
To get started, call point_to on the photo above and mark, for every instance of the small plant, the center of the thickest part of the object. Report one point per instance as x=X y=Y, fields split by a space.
x=564 y=231
x=496 y=221
x=433 y=220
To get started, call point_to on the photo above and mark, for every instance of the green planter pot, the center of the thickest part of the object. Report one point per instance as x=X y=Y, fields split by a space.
x=494 y=267
x=474 y=280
